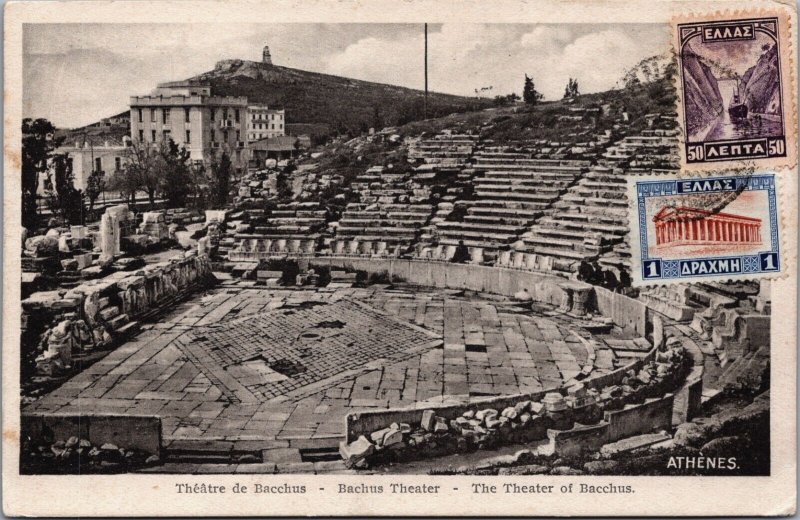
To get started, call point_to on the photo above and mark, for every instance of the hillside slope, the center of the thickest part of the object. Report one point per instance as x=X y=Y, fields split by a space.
x=761 y=91
x=343 y=104
x=702 y=99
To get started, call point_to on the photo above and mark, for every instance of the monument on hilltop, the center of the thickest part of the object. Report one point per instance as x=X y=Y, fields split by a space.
x=266 y=57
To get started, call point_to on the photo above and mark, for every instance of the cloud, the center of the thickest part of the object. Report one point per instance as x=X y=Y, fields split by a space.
x=545 y=35
x=76 y=73
x=463 y=58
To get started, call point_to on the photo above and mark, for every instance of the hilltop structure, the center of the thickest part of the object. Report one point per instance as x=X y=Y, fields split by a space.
x=266 y=57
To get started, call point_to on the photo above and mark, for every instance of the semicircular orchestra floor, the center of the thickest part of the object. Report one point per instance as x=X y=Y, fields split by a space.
x=283 y=367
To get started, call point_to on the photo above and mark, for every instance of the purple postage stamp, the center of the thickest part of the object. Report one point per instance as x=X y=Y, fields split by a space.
x=734 y=90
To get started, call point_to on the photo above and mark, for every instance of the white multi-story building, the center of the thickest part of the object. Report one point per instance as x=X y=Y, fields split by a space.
x=265 y=123
x=191 y=116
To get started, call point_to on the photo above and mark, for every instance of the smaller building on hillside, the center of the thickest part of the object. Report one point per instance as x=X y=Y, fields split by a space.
x=279 y=148
x=265 y=123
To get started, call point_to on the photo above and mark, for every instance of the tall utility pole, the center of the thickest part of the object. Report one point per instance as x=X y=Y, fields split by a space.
x=426 y=71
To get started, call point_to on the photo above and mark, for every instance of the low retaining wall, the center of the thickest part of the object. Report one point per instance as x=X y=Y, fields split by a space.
x=542 y=287
x=363 y=423
x=101 y=313
x=139 y=432
x=628 y=313
x=635 y=419
x=142 y=291
x=688 y=398
x=653 y=414
x=582 y=418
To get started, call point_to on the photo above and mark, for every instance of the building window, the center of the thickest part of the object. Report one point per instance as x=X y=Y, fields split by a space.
x=117 y=163
x=165 y=116
x=153 y=136
x=236 y=115
x=224 y=136
x=141 y=135
x=213 y=115
x=186 y=114
x=213 y=136
x=225 y=114
x=188 y=137
x=238 y=135
x=98 y=164
x=141 y=115
x=166 y=135
x=153 y=115
x=273 y=126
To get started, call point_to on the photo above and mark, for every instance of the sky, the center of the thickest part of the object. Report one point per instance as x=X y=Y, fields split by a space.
x=75 y=74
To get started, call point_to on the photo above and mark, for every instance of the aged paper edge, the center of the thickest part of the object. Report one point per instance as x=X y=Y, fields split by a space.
x=153 y=495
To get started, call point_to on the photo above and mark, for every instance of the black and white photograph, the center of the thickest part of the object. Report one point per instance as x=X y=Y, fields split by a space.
x=331 y=249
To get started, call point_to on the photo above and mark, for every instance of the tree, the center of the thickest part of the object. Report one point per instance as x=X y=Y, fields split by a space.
x=38 y=145
x=141 y=171
x=127 y=181
x=377 y=118
x=95 y=185
x=571 y=89
x=509 y=99
x=177 y=181
x=219 y=179
x=529 y=93
x=64 y=199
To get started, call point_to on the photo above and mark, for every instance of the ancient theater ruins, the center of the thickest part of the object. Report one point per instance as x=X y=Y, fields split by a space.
x=420 y=294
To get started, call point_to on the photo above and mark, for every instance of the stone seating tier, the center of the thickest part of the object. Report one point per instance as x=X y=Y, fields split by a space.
x=370 y=223
x=545 y=191
x=503 y=211
x=525 y=178
x=283 y=213
x=378 y=231
x=477 y=226
x=596 y=201
x=582 y=222
x=281 y=230
x=563 y=253
x=529 y=200
x=441 y=151
x=545 y=168
x=541 y=177
x=528 y=161
x=389 y=239
x=470 y=242
x=554 y=188
x=484 y=155
x=560 y=238
x=494 y=220
x=298 y=221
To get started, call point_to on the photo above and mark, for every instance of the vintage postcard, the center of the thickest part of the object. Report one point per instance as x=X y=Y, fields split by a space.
x=735 y=89
x=379 y=258
x=705 y=228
